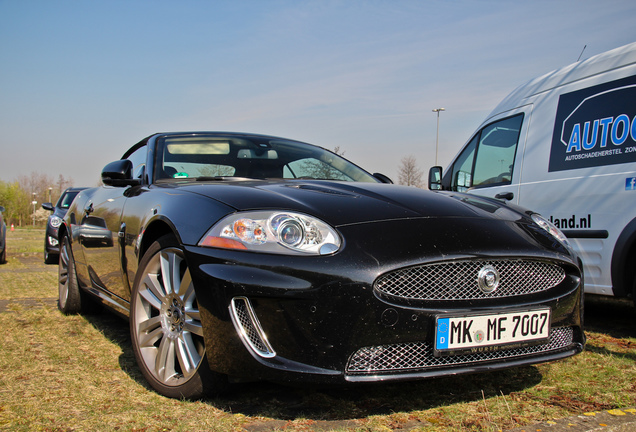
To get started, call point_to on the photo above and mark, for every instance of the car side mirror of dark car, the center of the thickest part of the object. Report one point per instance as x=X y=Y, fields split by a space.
x=382 y=178
x=1 y=209
x=119 y=173
x=48 y=206
x=435 y=178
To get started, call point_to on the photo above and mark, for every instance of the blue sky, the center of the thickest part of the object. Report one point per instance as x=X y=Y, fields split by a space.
x=82 y=81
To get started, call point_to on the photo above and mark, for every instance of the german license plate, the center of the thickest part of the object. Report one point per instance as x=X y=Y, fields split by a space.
x=489 y=332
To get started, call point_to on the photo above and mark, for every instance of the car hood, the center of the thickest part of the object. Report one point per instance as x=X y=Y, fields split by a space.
x=344 y=203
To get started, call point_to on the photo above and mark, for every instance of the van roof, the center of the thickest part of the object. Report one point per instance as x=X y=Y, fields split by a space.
x=609 y=60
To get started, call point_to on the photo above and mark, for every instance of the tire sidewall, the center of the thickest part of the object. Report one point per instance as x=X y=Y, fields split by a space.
x=73 y=303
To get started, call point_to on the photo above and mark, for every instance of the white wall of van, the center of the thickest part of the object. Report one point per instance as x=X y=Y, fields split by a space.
x=564 y=145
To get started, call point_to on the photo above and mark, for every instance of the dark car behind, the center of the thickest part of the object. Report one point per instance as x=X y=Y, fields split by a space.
x=51 y=243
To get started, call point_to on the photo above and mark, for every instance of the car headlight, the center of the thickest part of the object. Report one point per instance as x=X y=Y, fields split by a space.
x=279 y=232
x=55 y=221
x=550 y=228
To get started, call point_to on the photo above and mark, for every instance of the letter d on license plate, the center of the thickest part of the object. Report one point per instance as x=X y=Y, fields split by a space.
x=488 y=332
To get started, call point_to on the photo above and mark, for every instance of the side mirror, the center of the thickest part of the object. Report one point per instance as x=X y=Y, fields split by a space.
x=1 y=209
x=435 y=178
x=382 y=178
x=48 y=206
x=119 y=173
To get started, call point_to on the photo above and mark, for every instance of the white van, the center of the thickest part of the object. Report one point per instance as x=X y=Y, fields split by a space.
x=564 y=145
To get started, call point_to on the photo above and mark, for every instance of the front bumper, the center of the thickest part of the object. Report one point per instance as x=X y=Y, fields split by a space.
x=51 y=242
x=320 y=319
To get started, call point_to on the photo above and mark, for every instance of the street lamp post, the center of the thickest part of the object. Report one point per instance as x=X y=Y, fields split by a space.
x=437 y=110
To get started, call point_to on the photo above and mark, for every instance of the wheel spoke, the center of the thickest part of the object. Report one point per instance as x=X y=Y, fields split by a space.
x=193 y=314
x=63 y=270
x=154 y=293
x=149 y=331
x=63 y=294
x=194 y=327
x=187 y=355
x=165 y=360
x=170 y=271
x=185 y=288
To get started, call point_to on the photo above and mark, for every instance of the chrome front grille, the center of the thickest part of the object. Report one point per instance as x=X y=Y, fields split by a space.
x=458 y=280
x=249 y=328
x=416 y=356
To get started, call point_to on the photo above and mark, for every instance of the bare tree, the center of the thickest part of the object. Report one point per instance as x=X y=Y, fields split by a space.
x=408 y=172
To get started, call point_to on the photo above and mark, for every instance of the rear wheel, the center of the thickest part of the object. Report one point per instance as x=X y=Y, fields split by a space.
x=165 y=325
x=69 y=297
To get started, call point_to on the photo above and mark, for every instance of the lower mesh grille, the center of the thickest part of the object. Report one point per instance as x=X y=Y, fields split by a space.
x=410 y=357
x=249 y=328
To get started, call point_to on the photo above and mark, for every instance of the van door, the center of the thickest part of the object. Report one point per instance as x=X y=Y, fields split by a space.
x=490 y=164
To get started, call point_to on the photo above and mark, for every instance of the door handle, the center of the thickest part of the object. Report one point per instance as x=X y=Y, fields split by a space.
x=508 y=196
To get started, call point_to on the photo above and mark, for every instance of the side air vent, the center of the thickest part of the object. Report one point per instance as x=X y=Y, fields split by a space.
x=249 y=328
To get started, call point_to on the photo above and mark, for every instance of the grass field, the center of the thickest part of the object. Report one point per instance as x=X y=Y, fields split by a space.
x=77 y=373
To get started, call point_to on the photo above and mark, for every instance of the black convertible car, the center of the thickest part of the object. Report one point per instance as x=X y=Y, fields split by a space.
x=243 y=257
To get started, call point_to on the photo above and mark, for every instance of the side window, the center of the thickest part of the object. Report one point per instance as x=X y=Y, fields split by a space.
x=496 y=152
x=489 y=157
x=463 y=167
x=138 y=158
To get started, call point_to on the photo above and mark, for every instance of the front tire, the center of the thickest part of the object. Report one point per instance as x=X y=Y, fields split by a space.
x=165 y=325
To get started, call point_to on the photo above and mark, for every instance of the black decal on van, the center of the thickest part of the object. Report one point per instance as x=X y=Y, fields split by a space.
x=595 y=126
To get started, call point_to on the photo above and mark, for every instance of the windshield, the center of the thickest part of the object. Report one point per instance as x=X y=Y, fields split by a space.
x=66 y=199
x=214 y=156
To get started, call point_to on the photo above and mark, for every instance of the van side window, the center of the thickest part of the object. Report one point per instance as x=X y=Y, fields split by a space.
x=463 y=167
x=489 y=157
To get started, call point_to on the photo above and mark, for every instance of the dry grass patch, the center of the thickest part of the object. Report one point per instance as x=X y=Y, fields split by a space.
x=77 y=373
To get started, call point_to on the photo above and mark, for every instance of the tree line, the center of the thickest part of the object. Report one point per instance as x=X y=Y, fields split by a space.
x=22 y=199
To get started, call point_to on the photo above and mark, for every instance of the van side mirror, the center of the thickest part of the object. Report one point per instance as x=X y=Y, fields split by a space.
x=435 y=178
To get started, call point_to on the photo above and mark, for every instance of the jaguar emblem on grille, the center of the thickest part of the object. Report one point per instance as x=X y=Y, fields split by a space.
x=488 y=279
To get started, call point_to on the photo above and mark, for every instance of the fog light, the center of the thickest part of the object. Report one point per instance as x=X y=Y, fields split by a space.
x=53 y=241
